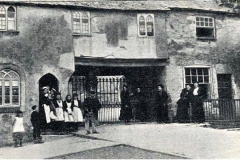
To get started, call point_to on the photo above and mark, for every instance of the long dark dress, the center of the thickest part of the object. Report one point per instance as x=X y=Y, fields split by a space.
x=141 y=107
x=126 y=110
x=161 y=99
x=183 y=106
x=198 y=114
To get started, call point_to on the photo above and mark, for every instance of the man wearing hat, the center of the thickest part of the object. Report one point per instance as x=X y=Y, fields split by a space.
x=91 y=107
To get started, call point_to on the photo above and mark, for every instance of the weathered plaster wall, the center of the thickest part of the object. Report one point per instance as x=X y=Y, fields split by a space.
x=184 y=49
x=115 y=34
x=44 y=39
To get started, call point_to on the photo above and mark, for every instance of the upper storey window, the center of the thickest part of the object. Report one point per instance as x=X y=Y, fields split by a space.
x=205 y=27
x=81 y=23
x=145 y=25
x=7 y=18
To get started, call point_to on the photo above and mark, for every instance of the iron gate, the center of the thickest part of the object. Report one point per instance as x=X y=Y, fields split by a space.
x=108 y=93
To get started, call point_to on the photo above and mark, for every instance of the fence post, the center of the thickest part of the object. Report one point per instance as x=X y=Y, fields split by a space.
x=190 y=111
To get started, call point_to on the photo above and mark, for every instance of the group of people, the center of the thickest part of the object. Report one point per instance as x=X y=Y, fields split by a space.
x=190 y=105
x=65 y=116
x=140 y=109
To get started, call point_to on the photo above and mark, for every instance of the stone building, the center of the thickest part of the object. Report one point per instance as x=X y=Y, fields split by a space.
x=68 y=44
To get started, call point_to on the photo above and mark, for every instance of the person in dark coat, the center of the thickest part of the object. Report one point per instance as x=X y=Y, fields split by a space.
x=161 y=99
x=183 y=105
x=35 y=120
x=198 y=94
x=46 y=110
x=141 y=106
x=126 y=110
x=91 y=106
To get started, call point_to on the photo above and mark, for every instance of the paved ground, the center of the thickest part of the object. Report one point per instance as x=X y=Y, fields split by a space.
x=117 y=152
x=183 y=140
x=52 y=148
x=187 y=140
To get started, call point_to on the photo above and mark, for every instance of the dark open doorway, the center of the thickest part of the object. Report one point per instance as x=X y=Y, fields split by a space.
x=48 y=80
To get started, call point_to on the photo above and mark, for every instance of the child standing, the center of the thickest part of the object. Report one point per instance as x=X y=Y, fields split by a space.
x=36 y=125
x=18 y=129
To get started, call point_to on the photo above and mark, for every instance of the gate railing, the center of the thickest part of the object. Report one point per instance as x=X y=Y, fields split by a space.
x=222 y=109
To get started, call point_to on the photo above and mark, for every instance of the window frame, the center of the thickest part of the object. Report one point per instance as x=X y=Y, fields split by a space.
x=145 y=15
x=5 y=26
x=196 y=67
x=81 y=13
x=6 y=18
x=207 y=27
x=2 y=80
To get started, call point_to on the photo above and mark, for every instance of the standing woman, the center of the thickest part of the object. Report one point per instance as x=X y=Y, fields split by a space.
x=141 y=106
x=184 y=105
x=161 y=100
x=68 y=113
x=58 y=103
x=198 y=95
x=77 y=113
x=126 y=109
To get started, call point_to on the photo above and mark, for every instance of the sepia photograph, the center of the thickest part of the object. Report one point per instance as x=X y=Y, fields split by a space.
x=119 y=79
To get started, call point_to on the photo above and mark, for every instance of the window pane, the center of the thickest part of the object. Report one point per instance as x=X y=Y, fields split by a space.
x=193 y=71
x=150 y=29
x=205 y=32
x=199 y=71
x=206 y=79
x=15 y=100
x=200 y=79
x=188 y=79
x=205 y=71
x=15 y=91
x=2 y=18
x=194 y=79
x=187 y=71
x=15 y=83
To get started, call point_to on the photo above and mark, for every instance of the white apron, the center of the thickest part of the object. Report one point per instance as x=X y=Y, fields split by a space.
x=59 y=111
x=49 y=114
x=77 y=113
x=18 y=125
x=68 y=117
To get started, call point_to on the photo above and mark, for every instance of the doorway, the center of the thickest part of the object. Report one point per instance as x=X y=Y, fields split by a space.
x=48 y=80
x=224 y=86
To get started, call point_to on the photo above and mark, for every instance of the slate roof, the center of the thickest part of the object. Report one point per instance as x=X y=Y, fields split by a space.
x=164 y=5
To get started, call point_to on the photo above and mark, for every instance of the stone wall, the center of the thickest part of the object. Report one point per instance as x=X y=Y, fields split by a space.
x=115 y=34
x=44 y=40
x=185 y=49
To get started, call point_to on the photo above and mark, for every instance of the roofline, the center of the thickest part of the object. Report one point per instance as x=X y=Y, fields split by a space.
x=22 y=3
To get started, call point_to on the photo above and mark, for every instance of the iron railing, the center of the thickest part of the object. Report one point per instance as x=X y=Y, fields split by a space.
x=222 y=109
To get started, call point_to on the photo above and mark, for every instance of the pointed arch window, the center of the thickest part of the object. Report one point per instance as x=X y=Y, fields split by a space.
x=142 y=29
x=81 y=23
x=145 y=25
x=76 y=22
x=11 y=18
x=85 y=23
x=9 y=88
x=149 y=25
x=2 y=18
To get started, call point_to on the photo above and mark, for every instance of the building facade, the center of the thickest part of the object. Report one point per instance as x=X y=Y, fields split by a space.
x=73 y=47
